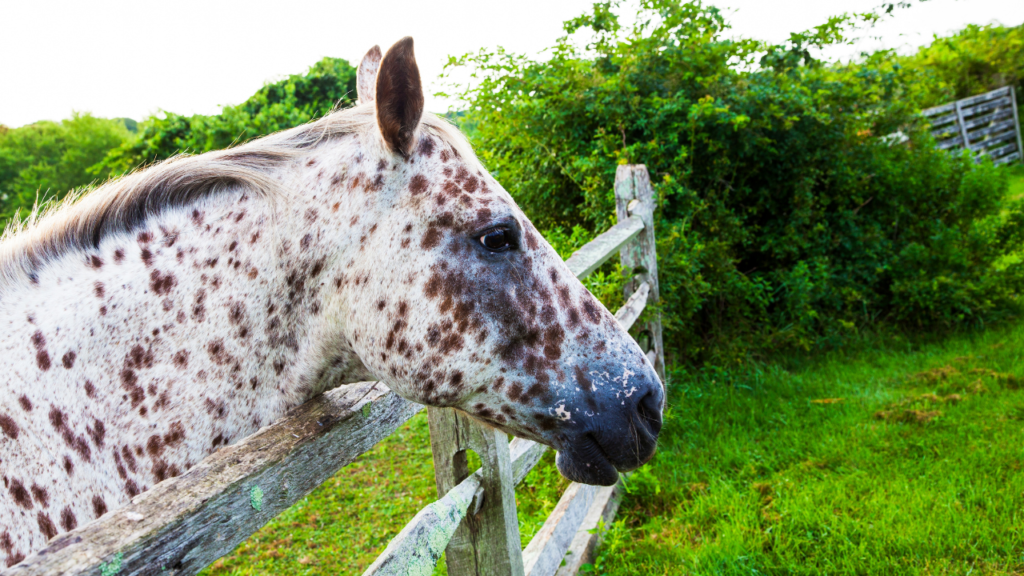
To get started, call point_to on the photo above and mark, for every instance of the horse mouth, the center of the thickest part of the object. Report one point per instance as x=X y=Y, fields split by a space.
x=585 y=462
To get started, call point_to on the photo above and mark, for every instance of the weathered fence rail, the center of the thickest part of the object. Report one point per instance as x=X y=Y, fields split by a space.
x=183 y=524
x=987 y=124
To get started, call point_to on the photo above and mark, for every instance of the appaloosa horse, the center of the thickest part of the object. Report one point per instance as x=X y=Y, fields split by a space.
x=183 y=307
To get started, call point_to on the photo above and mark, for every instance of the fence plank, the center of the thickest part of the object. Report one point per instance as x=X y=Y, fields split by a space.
x=632 y=182
x=590 y=257
x=938 y=110
x=1016 y=120
x=525 y=455
x=588 y=536
x=987 y=119
x=993 y=140
x=951 y=143
x=1003 y=102
x=545 y=551
x=1009 y=158
x=416 y=549
x=996 y=153
x=998 y=92
x=1004 y=126
x=628 y=314
x=487 y=542
x=183 y=524
x=960 y=124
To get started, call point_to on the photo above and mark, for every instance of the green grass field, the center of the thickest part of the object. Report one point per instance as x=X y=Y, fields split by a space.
x=900 y=457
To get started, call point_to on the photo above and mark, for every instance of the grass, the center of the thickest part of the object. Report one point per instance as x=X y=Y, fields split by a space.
x=1016 y=177
x=899 y=458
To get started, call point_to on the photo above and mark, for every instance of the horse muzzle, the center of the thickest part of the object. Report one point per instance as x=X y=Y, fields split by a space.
x=620 y=437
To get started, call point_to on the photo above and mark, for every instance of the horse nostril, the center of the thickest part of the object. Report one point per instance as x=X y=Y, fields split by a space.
x=649 y=409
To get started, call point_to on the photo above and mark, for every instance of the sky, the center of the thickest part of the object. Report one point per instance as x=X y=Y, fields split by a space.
x=118 y=58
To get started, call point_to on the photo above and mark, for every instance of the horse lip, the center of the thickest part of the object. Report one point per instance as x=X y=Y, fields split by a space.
x=586 y=462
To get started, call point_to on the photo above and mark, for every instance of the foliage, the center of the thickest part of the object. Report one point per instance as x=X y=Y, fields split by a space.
x=46 y=160
x=785 y=219
x=974 y=60
x=277 y=106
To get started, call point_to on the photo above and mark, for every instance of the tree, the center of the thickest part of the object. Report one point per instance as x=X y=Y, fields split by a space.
x=46 y=160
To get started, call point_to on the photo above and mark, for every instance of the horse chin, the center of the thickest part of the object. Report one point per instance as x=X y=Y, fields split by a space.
x=587 y=464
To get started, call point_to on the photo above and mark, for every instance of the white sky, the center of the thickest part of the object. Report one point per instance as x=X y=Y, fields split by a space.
x=131 y=58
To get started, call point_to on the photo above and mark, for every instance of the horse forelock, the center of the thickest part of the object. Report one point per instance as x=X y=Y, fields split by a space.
x=84 y=218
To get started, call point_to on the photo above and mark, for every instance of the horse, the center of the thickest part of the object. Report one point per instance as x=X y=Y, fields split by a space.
x=180 y=308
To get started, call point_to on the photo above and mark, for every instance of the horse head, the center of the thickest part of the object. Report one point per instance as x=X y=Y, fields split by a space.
x=461 y=303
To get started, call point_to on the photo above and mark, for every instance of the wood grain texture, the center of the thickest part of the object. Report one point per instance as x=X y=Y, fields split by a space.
x=597 y=251
x=183 y=524
x=545 y=551
x=633 y=307
x=632 y=182
x=588 y=536
x=487 y=542
x=417 y=548
x=525 y=455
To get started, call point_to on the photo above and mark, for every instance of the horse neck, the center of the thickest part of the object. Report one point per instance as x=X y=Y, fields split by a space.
x=221 y=311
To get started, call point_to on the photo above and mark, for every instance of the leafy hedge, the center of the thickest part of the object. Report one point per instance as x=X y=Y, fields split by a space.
x=787 y=216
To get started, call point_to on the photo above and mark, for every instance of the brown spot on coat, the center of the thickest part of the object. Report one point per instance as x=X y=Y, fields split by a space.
x=99 y=507
x=26 y=404
x=9 y=426
x=431 y=239
x=67 y=519
x=46 y=525
x=161 y=283
x=68 y=360
x=418 y=184
x=40 y=494
x=42 y=356
x=20 y=494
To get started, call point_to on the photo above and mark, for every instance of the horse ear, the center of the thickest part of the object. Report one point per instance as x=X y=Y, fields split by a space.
x=366 y=78
x=399 y=97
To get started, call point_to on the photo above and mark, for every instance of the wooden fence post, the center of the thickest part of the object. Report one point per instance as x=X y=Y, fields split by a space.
x=487 y=542
x=634 y=196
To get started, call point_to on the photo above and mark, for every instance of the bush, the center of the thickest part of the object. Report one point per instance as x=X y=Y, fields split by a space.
x=786 y=218
x=45 y=160
x=974 y=60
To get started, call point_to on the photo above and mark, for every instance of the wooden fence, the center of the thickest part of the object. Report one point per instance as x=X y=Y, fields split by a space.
x=987 y=124
x=183 y=524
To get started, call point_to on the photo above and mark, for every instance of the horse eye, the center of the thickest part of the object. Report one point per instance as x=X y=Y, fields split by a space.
x=496 y=240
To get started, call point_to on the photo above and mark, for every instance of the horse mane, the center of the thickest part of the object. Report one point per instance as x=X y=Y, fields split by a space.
x=84 y=218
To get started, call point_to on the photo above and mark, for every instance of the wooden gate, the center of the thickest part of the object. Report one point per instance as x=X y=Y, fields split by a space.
x=183 y=524
x=987 y=124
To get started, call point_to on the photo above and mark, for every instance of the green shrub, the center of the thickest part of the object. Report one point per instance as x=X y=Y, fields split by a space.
x=46 y=160
x=971 y=61
x=787 y=218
